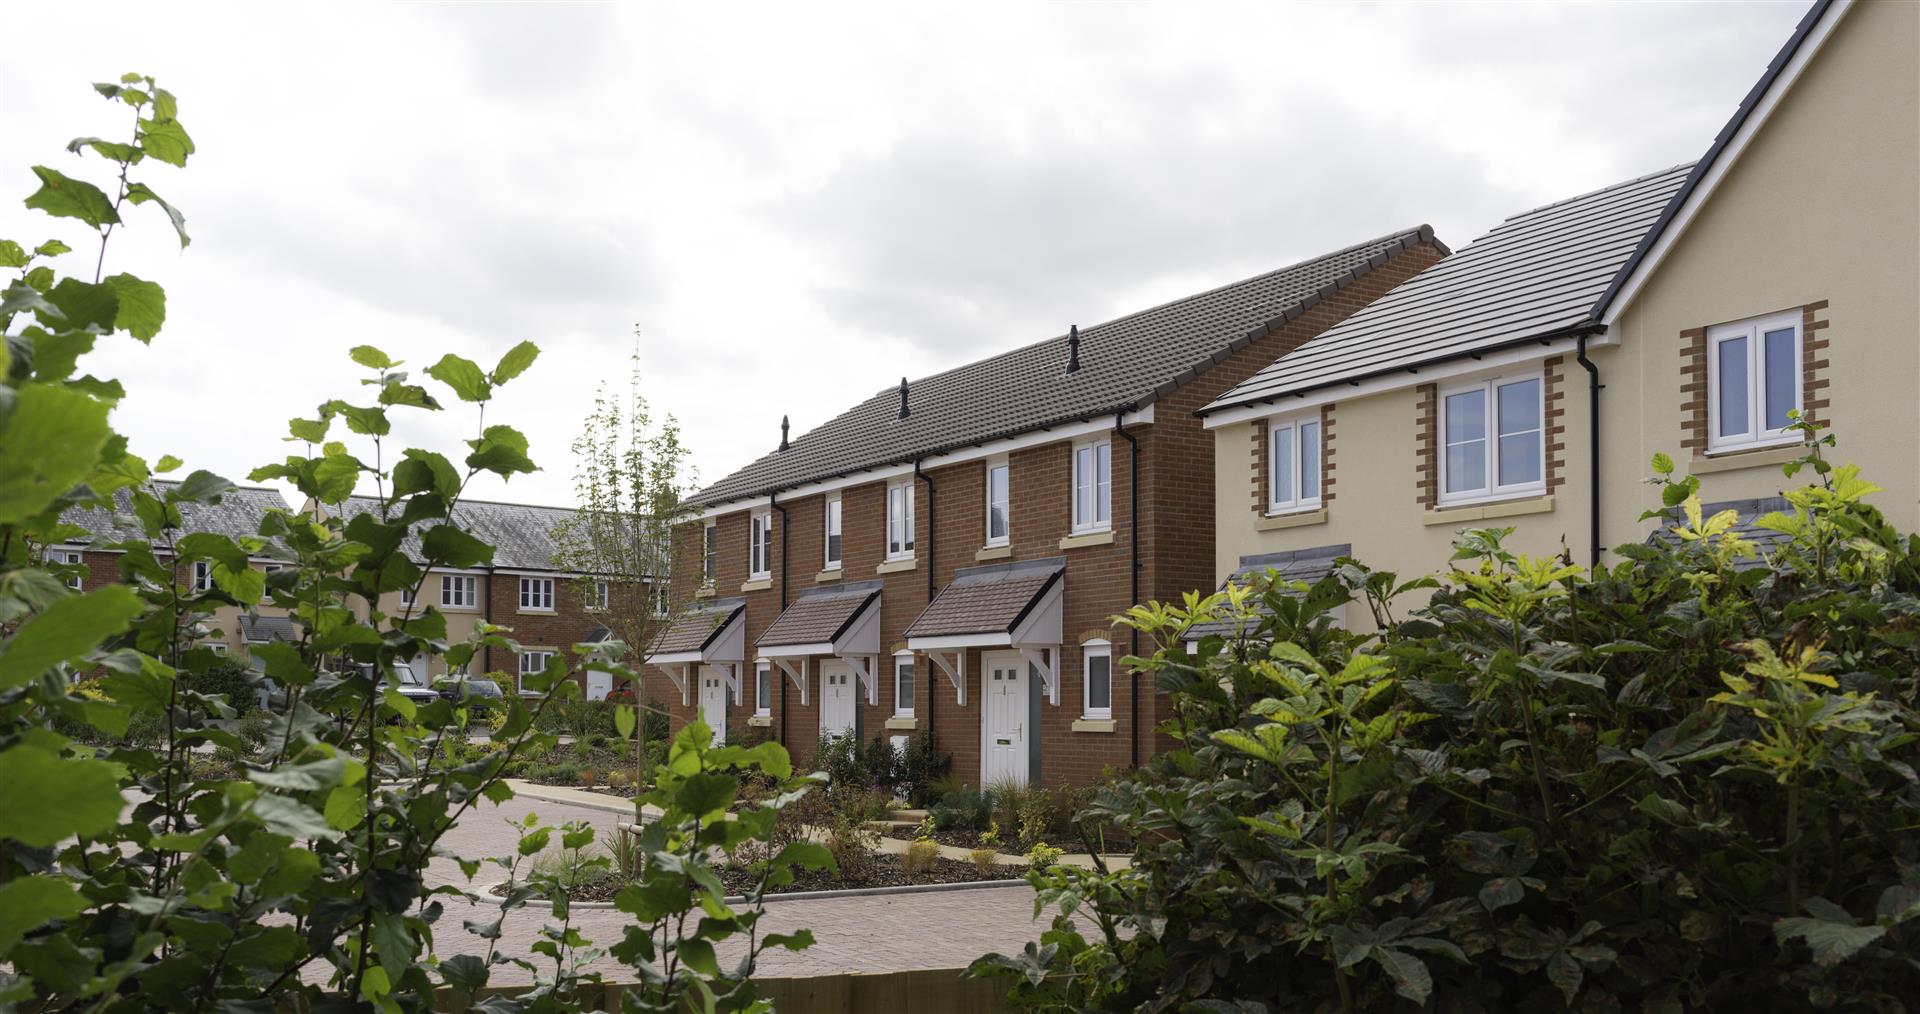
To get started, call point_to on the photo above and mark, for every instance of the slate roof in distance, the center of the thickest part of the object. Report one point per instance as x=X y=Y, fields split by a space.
x=1538 y=274
x=820 y=615
x=695 y=628
x=265 y=629
x=239 y=512
x=521 y=534
x=987 y=600
x=1765 y=541
x=1125 y=364
x=1309 y=565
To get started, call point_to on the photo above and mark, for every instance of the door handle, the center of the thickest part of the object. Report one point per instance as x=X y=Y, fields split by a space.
x=1021 y=731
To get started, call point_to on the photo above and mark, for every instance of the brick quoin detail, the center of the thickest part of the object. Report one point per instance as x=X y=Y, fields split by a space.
x=1326 y=454
x=1554 y=422
x=1814 y=339
x=1426 y=484
x=1260 y=431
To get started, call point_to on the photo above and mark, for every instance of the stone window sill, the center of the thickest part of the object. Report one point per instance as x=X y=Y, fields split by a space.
x=538 y=612
x=1757 y=457
x=706 y=591
x=1484 y=511
x=907 y=722
x=1089 y=539
x=758 y=584
x=827 y=575
x=1295 y=519
x=1093 y=725
x=760 y=721
x=993 y=553
x=896 y=566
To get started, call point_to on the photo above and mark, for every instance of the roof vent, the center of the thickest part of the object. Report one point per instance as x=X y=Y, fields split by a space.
x=783 y=433
x=1073 y=349
x=903 y=398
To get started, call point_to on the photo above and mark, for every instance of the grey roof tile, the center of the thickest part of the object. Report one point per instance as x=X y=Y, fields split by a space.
x=1124 y=363
x=1309 y=565
x=263 y=629
x=987 y=600
x=1766 y=542
x=820 y=615
x=521 y=534
x=1538 y=274
x=237 y=513
x=693 y=629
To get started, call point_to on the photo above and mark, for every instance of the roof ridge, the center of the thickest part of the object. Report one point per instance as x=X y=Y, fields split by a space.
x=1656 y=174
x=494 y=503
x=236 y=485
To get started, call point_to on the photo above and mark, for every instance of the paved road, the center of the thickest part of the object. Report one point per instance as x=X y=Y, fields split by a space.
x=865 y=934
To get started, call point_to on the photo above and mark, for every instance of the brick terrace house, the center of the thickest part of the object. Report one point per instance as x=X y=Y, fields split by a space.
x=947 y=557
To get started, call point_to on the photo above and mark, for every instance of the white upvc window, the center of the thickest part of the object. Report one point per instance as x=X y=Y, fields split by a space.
x=900 y=521
x=71 y=558
x=406 y=597
x=202 y=575
x=1093 y=486
x=1293 y=464
x=600 y=595
x=832 y=535
x=1096 y=677
x=759 y=541
x=536 y=594
x=1753 y=380
x=531 y=663
x=763 y=688
x=1493 y=439
x=999 y=492
x=903 y=684
x=709 y=552
x=662 y=599
x=459 y=591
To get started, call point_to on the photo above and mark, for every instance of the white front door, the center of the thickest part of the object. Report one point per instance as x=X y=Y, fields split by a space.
x=599 y=685
x=713 y=702
x=836 y=699
x=1005 y=713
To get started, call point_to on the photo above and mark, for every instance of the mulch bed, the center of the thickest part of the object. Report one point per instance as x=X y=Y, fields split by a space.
x=1069 y=840
x=884 y=871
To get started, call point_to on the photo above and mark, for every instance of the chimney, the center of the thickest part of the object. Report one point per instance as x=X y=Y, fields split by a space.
x=903 y=398
x=1073 y=349
x=783 y=433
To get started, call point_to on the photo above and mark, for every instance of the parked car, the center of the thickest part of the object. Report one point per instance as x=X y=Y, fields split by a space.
x=469 y=691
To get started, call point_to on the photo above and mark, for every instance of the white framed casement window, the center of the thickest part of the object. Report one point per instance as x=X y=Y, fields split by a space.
x=759 y=541
x=407 y=597
x=709 y=552
x=1493 y=439
x=1096 y=676
x=1754 y=378
x=903 y=684
x=1093 y=486
x=532 y=662
x=536 y=594
x=202 y=575
x=831 y=537
x=459 y=591
x=599 y=596
x=662 y=599
x=763 y=688
x=900 y=521
x=72 y=559
x=999 y=521
x=1293 y=465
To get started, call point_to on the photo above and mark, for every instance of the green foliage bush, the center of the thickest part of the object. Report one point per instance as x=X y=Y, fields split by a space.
x=1685 y=781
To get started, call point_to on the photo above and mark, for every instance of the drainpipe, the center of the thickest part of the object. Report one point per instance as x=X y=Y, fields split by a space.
x=1593 y=444
x=931 y=694
x=1133 y=573
x=773 y=501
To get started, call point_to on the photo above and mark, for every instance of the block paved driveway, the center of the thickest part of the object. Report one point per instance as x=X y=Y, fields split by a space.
x=873 y=933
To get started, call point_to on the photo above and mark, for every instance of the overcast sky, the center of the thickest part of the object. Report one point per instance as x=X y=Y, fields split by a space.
x=796 y=204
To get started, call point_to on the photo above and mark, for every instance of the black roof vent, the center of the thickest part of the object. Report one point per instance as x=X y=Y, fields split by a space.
x=903 y=398
x=783 y=433
x=1073 y=349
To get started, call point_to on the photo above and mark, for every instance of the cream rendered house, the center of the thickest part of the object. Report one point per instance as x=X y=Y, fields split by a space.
x=1527 y=380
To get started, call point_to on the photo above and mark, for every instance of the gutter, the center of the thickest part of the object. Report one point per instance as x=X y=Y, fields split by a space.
x=1133 y=575
x=1593 y=447
x=932 y=695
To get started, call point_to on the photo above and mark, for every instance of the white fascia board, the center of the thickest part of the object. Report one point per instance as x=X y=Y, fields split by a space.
x=555 y=574
x=1465 y=366
x=774 y=651
x=949 y=642
x=1036 y=438
x=1709 y=181
x=674 y=658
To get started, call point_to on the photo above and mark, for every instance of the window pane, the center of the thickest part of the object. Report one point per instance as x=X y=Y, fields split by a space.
x=763 y=689
x=1310 y=461
x=903 y=687
x=1103 y=472
x=1520 y=458
x=1519 y=406
x=1466 y=466
x=1099 y=682
x=1282 y=465
x=1783 y=377
x=1732 y=379
x=1466 y=414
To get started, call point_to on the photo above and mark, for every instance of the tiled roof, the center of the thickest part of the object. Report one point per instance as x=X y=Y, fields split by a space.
x=987 y=600
x=521 y=534
x=820 y=615
x=1125 y=364
x=1539 y=274
x=1765 y=542
x=694 y=628
x=262 y=629
x=238 y=512
x=1309 y=565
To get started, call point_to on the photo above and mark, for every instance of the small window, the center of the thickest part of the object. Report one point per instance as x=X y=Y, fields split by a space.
x=710 y=553
x=1753 y=381
x=1096 y=661
x=900 y=521
x=71 y=558
x=531 y=663
x=599 y=596
x=662 y=599
x=536 y=594
x=833 y=532
x=903 y=685
x=999 y=523
x=459 y=591
x=406 y=597
x=1494 y=440
x=1093 y=486
x=217 y=647
x=1293 y=465
x=759 y=541
x=762 y=688
x=202 y=576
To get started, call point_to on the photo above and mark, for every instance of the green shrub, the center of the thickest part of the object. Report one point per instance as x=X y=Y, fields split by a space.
x=919 y=769
x=553 y=774
x=962 y=809
x=1042 y=856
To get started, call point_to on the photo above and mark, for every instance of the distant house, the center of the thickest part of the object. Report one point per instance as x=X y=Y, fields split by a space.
x=947 y=556
x=1527 y=380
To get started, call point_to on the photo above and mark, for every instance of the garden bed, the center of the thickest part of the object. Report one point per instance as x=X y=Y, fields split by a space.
x=1116 y=844
x=883 y=870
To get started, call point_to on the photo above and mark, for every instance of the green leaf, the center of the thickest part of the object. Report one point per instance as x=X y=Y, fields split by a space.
x=143 y=306
x=290 y=817
x=49 y=443
x=1662 y=463
x=29 y=903
x=20 y=296
x=1831 y=942
x=501 y=450
x=423 y=472
x=448 y=546
x=623 y=720
x=12 y=255
x=514 y=363
x=115 y=151
x=166 y=140
x=371 y=358
x=464 y=972
x=65 y=197
x=346 y=807
x=705 y=793
x=1409 y=974
x=85 y=305
x=68 y=629
x=140 y=193
x=463 y=375
x=46 y=798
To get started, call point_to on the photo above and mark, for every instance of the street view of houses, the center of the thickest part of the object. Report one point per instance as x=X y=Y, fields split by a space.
x=1403 y=598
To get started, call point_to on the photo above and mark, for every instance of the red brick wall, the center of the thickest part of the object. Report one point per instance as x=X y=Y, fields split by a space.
x=567 y=625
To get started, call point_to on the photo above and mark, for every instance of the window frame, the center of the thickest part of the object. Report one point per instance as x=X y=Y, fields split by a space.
x=905 y=659
x=407 y=597
x=833 y=545
x=521 y=671
x=72 y=558
x=466 y=582
x=1098 y=647
x=1292 y=426
x=542 y=599
x=1754 y=330
x=709 y=553
x=1493 y=490
x=1099 y=487
x=202 y=580
x=760 y=546
x=600 y=595
x=762 y=688
x=661 y=594
x=900 y=523
x=1001 y=464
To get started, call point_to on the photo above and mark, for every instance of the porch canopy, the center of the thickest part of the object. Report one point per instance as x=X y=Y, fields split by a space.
x=1308 y=565
x=843 y=622
x=1007 y=605
x=713 y=633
